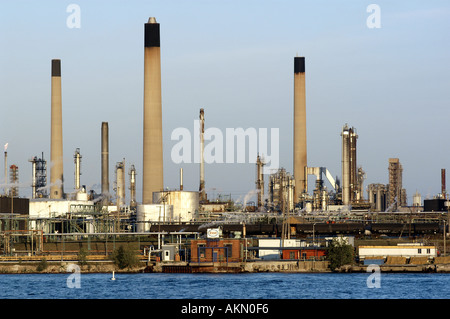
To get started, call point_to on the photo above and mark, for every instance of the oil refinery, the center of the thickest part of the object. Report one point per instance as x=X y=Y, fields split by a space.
x=284 y=205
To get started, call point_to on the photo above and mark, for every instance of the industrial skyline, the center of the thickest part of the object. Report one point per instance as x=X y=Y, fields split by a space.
x=389 y=83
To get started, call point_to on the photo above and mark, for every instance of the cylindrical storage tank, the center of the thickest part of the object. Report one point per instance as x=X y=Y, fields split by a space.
x=90 y=225
x=146 y=214
x=185 y=203
x=417 y=199
x=82 y=195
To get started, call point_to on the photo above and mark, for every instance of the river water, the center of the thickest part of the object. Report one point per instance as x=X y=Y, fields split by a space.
x=226 y=286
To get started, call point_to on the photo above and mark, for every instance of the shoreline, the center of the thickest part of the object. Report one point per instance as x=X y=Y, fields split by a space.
x=248 y=267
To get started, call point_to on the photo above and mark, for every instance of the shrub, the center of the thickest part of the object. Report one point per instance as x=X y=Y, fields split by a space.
x=125 y=257
x=82 y=256
x=43 y=264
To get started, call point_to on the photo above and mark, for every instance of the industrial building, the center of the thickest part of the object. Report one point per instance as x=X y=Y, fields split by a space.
x=396 y=192
x=285 y=206
x=377 y=197
x=404 y=250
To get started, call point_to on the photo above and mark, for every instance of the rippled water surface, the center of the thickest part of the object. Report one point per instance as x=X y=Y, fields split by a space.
x=224 y=286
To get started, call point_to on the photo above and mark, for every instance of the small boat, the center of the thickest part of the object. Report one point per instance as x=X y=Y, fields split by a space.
x=113 y=278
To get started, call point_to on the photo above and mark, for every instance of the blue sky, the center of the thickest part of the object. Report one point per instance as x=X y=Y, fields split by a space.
x=235 y=60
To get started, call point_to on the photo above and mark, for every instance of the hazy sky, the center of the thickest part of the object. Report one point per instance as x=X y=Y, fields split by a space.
x=235 y=60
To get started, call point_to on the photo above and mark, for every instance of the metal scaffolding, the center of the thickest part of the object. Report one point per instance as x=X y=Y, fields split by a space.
x=39 y=177
x=14 y=180
x=397 y=194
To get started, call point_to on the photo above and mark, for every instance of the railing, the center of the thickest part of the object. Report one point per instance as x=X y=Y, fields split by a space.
x=61 y=258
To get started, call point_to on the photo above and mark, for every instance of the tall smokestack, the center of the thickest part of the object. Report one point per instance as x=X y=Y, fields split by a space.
x=56 y=146
x=6 y=169
x=202 y=161
x=152 y=177
x=105 y=163
x=443 y=188
x=300 y=152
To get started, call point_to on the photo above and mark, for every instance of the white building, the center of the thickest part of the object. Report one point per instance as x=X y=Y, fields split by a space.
x=401 y=250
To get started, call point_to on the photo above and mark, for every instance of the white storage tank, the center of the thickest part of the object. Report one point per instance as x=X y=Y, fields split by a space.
x=185 y=203
x=145 y=214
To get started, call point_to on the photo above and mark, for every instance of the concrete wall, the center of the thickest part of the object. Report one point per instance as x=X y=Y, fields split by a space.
x=287 y=266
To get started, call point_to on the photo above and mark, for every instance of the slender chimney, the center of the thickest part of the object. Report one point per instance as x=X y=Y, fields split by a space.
x=33 y=177
x=77 y=161
x=56 y=147
x=443 y=188
x=260 y=181
x=345 y=165
x=300 y=151
x=132 y=186
x=6 y=170
x=202 y=161
x=120 y=184
x=152 y=176
x=181 y=179
x=105 y=163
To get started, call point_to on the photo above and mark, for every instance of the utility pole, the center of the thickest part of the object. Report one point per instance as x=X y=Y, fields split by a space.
x=445 y=248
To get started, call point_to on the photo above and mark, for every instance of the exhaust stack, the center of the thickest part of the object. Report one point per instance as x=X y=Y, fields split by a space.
x=33 y=177
x=56 y=145
x=105 y=163
x=181 y=179
x=443 y=188
x=202 y=161
x=77 y=161
x=6 y=169
x=300 y=151
x=260 y=181
x=132 y=174
x=152 y=176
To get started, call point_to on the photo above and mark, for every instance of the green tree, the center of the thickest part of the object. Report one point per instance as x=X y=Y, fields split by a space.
x=124 y=257
x=340 y=253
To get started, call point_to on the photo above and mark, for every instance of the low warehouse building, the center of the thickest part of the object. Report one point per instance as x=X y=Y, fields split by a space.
x=402 y=250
